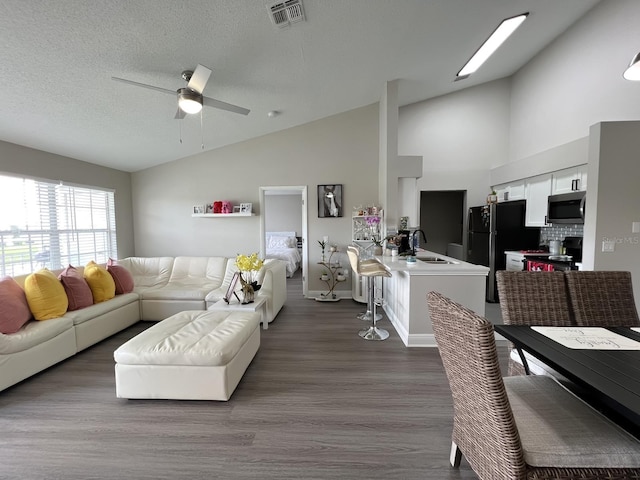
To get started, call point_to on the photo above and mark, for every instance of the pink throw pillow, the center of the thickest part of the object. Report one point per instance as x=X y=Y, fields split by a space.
x=14 y=309
x=76 y=288
x=121 y=276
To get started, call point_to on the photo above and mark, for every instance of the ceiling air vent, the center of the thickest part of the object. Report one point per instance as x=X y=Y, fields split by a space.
x=283 y=14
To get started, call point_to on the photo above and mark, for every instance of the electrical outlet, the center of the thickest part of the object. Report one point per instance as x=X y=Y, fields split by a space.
x=608 y=246
x=635 y=227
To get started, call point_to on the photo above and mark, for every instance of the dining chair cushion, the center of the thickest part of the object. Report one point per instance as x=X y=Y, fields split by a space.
x=558 y=429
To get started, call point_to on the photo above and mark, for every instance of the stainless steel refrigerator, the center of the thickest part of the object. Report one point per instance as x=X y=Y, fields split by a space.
x=494 y=229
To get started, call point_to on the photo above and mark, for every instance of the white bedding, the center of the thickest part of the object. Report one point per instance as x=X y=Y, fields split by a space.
x=290 y=255
x=284 y=246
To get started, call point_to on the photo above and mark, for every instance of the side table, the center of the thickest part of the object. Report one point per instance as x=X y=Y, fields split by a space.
x=259 y=304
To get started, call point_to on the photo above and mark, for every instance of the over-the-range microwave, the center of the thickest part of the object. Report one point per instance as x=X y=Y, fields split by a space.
x=566 y=208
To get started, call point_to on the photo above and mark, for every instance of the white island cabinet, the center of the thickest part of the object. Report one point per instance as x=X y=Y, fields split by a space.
x=405 y=293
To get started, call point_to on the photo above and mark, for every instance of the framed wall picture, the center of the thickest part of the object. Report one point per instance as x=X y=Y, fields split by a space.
x=329 y=201
x=198 y=209
x=246 y=207
x=231 y=291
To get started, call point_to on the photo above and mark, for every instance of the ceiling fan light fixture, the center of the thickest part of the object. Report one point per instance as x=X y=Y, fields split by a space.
x=189 y=101
x=633 y=70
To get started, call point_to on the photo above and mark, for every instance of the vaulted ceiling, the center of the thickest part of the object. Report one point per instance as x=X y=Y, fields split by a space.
x=57 y=60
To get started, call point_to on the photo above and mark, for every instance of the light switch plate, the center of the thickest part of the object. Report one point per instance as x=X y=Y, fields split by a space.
x=608 y=246
x=635 y=227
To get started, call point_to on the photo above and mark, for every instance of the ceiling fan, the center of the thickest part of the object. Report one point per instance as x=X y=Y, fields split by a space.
x=190 y=98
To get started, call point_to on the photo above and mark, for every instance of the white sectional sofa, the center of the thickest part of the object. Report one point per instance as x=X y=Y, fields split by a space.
x=164 y=286
x=168 y=285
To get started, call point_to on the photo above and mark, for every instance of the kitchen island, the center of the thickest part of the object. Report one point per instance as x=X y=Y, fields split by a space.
x=405 y=293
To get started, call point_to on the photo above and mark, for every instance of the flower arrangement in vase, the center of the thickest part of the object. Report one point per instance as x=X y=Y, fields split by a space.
x=323 y=245
x=249 y=266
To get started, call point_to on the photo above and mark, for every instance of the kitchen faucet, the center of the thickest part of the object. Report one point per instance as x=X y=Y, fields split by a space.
x=413 y=240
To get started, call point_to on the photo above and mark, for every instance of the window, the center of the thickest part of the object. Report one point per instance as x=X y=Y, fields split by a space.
x=46 y=224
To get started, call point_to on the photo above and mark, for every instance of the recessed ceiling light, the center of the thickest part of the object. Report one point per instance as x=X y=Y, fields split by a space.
x=273 y=113
x=497 y=38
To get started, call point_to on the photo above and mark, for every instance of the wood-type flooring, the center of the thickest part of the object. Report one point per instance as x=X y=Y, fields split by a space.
x=317 y=402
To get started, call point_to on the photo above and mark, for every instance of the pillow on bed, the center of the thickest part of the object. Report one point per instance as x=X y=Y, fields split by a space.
x=278 y=242
x=293 y=242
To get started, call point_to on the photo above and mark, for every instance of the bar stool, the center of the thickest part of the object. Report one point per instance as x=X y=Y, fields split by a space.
x=356 y=265
x=370 y=269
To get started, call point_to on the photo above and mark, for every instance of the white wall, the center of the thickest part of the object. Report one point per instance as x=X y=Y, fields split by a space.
x=38 y=164
x=342 y=149
x=613 y=199
x=460 y=136
x=283 y=213
x=577 y=81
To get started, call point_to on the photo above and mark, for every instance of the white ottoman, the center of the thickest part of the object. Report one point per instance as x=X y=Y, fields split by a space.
x=193 y=355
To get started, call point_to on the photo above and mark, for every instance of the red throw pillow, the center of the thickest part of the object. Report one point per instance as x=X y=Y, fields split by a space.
x=121 y=276
x=14 y=309
x=76 y=287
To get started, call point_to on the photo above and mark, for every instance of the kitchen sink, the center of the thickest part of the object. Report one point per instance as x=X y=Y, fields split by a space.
x=438 y=260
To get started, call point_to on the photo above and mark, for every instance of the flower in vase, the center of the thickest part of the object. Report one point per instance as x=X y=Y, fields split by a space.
x=249 y=266
x=373 y=222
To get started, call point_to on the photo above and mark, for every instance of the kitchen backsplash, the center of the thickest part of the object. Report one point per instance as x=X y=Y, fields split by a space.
x=559 y=232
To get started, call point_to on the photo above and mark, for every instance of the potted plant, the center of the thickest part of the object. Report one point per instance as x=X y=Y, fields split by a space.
x=377 y=245
x=323 y=245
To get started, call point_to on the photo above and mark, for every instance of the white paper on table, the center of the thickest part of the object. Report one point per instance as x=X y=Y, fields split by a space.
x=588 y=338
x=637 y=329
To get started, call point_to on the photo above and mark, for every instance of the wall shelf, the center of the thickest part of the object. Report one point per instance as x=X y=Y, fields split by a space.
x=222 y=215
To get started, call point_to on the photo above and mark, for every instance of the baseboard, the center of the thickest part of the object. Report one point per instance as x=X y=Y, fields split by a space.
x=341 y=294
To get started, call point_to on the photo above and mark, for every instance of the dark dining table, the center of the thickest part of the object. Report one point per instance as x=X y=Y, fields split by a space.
x=609 y=380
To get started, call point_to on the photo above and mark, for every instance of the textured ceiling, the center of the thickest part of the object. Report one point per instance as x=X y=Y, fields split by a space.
x=57 y=60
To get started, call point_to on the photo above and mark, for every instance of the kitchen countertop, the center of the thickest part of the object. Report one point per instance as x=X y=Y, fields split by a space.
x=457 y=267
x=527 y=253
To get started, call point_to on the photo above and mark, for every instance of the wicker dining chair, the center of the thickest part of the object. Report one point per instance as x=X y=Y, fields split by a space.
x=602 y=299
x=565 y=438
x=532 y=298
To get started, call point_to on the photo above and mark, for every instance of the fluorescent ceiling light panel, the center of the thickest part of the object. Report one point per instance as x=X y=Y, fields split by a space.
x=497 y=38
x=633 y=72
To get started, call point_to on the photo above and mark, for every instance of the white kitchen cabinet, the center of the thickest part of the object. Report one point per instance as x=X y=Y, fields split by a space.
x=569 y=180
x=511 y=191
x=538 y=189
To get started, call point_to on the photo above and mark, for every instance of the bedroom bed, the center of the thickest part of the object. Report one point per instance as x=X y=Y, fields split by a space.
x=284 y=246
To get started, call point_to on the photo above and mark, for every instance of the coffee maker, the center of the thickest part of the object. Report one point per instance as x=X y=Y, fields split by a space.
x=405 y=244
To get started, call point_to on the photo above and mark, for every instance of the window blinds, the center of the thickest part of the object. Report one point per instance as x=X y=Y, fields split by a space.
x=45 y=224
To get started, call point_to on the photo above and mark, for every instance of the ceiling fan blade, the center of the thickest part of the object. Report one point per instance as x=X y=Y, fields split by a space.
x=199 y=78
x=212 y=102
x=180 y=114
x=144 y=85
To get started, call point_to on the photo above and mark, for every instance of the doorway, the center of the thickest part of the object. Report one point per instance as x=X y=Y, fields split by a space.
x=284 y=209
x=442 y=214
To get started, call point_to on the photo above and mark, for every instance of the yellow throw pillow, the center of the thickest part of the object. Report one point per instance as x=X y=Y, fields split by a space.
x=45 y=295
x=100 y=281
